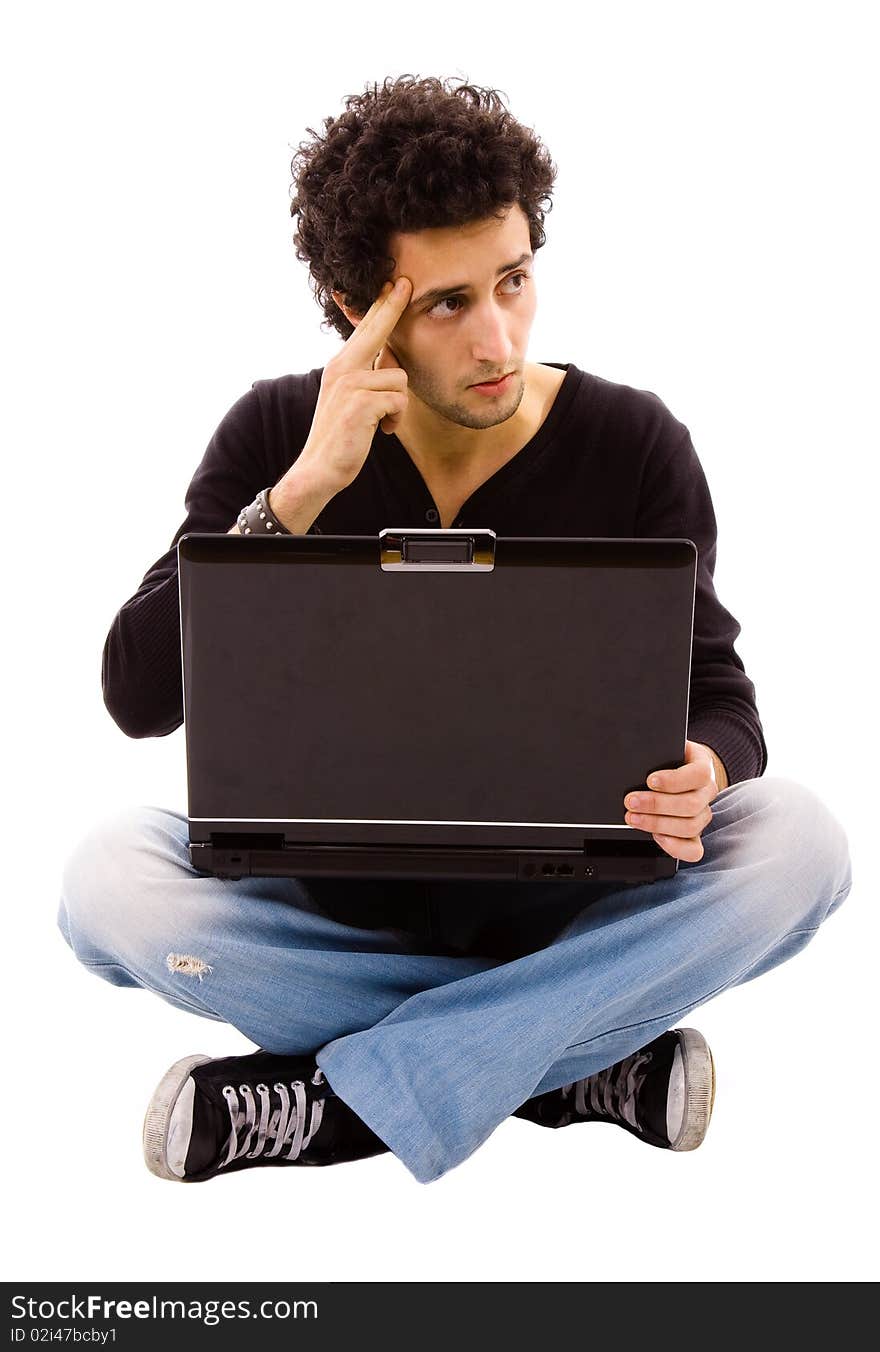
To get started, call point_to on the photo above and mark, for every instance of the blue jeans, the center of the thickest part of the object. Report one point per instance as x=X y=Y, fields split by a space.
x=435 y=1010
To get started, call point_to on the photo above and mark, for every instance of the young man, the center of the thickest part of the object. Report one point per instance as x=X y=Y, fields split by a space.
x=417 y=1017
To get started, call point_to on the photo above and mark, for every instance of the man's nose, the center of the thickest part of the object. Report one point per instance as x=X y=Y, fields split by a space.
x=491 y=343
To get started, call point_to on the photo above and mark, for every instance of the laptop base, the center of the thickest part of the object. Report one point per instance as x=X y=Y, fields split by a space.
x=596 y=864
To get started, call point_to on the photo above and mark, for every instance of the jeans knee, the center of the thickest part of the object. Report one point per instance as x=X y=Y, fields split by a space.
x=108 y=880
x=792 y=833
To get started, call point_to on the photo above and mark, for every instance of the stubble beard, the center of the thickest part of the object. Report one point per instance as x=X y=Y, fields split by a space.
x=467 y=412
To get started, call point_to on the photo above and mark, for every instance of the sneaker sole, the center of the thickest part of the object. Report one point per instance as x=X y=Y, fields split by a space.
x=159 y=1112
x=699 y=1078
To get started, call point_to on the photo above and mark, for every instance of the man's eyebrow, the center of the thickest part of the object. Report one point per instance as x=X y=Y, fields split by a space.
x=441 y=292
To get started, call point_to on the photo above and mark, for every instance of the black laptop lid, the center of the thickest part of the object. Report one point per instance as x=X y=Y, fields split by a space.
x=514 y=702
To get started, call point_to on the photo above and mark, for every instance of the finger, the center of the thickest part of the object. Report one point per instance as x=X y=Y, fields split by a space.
x=364 y=344
x=671 y=804
x=688 y=851
x=386 y=360
x=391 y=378
x=694 y=775
x=671 y=826
x=390 y=423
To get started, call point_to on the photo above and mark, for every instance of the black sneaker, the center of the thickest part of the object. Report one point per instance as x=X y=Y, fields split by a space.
x=663 y=1093
x=216 y=1116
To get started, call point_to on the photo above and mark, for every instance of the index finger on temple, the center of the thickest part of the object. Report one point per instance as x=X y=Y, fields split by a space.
x=379 y=321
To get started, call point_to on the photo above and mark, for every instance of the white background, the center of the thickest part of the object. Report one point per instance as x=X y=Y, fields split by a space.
x=713 y=240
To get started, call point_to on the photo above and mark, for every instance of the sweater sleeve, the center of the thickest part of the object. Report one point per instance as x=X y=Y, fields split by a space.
x=675 y=502
x=140 y=665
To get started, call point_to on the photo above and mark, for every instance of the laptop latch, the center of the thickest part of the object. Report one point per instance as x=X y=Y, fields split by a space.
x=437 y=551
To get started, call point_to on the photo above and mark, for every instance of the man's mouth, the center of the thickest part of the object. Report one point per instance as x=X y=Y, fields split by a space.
x=488 y=386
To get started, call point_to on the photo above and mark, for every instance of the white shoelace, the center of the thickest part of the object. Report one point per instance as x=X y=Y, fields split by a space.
x=282 y=1122
x=612 y=1092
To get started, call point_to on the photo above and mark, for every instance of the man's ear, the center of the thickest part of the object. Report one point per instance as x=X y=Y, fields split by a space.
x=351 y=315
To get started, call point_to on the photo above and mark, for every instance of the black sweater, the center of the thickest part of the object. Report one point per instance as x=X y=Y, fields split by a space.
x=609 y=460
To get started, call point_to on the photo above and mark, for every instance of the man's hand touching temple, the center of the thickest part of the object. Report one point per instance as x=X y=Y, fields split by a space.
x=677 y=810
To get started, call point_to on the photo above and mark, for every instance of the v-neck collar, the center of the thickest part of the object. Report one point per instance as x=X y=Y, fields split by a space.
x=507 y=473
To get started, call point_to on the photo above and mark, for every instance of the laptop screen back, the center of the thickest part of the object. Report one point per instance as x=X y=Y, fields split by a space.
x=318 y=687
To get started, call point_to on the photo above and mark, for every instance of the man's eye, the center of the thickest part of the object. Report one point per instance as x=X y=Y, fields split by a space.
x=435 y=310
x=447 y=300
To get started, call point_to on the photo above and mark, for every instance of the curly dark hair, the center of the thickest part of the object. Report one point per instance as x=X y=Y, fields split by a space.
x=409 y=155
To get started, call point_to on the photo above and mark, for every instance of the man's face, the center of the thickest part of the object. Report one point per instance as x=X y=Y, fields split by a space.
x=478 y=329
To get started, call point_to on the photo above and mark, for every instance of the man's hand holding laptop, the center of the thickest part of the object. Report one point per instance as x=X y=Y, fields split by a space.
x=678 y=811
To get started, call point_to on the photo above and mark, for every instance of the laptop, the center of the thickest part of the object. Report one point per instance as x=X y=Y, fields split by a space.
x=431 y=703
